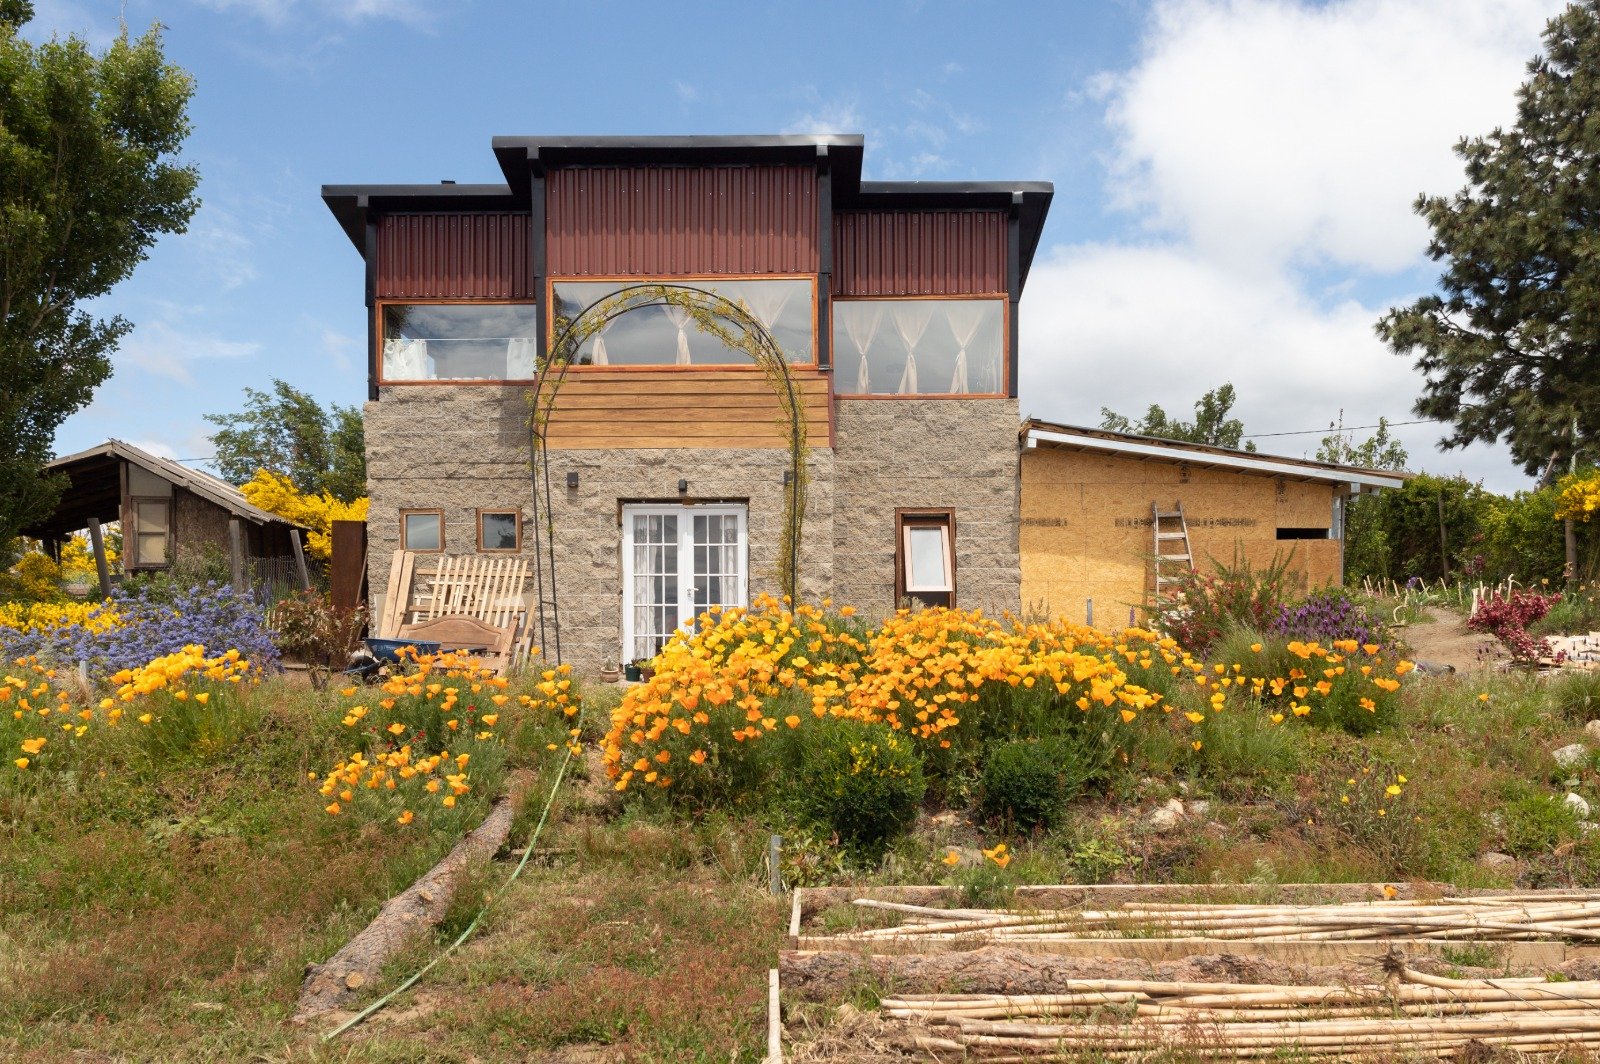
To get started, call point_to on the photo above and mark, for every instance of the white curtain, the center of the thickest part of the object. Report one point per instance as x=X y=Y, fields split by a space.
x=861 y=321
x=520 y=359
x=405 y=360
x=767 y=300
x=911 y=321
x=965 y=316
x=597 y=353
x=679 y=316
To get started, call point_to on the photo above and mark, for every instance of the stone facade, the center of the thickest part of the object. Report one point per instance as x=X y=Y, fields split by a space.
x=461 y=448
x=957 y=454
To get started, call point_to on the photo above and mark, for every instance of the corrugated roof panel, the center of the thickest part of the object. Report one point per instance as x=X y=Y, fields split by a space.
x=454 y=256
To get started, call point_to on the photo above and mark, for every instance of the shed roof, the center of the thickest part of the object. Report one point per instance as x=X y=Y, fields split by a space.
x=1076 y=437
x=96 y=488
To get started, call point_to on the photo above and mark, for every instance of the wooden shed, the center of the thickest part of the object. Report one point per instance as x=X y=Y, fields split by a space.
x=1098 y=507
x=170 y=514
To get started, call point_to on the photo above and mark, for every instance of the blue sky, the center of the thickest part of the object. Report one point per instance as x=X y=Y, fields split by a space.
x=1233 y=177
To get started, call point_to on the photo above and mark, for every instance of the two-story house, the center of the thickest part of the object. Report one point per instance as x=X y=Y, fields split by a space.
x=895 y=303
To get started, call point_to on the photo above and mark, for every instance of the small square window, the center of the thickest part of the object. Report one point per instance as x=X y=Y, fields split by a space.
x=152 y=533
x=925 y=562
x=499 y=531
x=422 y=530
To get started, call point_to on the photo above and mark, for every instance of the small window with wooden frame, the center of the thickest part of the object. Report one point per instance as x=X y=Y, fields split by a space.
x=422 y=531
x=499 y=531
x=152 y=533
x=925 y=556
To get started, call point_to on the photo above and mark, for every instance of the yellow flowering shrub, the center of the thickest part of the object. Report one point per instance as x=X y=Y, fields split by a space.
x=277 y=494
x=184 y=702
x=430 y=732
x=41 y=616
x=77 y=557
x=955 y=681
x=1578 y=496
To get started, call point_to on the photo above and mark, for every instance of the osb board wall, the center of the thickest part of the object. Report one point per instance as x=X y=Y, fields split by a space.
x=1086 y=526
x=682 y=408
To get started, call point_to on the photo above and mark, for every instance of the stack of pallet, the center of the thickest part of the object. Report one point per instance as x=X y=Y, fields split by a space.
x=426 y=587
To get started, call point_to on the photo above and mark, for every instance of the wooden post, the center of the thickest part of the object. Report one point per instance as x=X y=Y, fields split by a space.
x=299 y=560
x=98 y=544
x=1444 y=549
x=236 y=554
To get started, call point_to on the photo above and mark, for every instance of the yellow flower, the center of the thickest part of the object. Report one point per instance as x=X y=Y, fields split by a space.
x=952 y=858
x=145 y=718
x=33 y=746
x=792 y=721
x=1392 y=791
x=203 y=697
x=397 y=728
x=21 y=762
x=332 y=809
x=405 y=818
x=491 y=719
x=449 y=801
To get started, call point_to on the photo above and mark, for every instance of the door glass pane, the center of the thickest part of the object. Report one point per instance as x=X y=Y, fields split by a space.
x=925 y=563
x=717 y=579
x=654 y=596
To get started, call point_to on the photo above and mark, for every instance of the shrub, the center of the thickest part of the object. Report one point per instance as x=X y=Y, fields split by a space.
x=1536 y=824
x=1507 y=619
x=861 y=781
x=1237 y=596
x=1327 y=615
x=1028 y=783
x=308 y=628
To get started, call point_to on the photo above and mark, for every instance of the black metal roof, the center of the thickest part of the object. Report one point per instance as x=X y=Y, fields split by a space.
x=521 y=157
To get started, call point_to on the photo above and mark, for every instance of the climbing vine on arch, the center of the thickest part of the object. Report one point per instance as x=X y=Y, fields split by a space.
x=728 y=321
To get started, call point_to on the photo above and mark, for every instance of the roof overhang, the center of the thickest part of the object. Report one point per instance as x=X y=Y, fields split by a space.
x=1355 y=479
x=521 y=158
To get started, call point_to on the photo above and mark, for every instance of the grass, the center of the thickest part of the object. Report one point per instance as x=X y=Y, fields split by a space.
x=164 y=908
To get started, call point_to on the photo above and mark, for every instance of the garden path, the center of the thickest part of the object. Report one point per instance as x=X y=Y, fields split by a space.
x=1441 y=637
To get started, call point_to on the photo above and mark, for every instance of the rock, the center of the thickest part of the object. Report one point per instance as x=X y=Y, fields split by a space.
x=1495 y=860
x=1577 y=804
x=1198 y=807
x=1592 y=729
x=1167 y=818
x=1587 y=826
x=1433 y=668
x=970 y=856
x=355 y=980
x=1570 y=755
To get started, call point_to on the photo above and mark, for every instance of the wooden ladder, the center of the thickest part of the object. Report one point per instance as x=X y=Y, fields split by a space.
x=1167 y=528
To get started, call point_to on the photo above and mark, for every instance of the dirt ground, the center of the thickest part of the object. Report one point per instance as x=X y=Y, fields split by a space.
x=1442 y=638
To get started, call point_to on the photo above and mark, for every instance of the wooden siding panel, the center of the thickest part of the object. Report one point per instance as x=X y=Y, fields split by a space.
x=454 y=256
x=919 y=253
x=676 y=408
x=676 y=220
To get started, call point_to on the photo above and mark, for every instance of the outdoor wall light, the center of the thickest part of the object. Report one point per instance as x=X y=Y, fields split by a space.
x=788 y=477
x=572 y=479
x=683 y=487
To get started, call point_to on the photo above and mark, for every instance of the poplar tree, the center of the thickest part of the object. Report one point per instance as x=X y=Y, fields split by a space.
x=1509 y=347
x=89 y=180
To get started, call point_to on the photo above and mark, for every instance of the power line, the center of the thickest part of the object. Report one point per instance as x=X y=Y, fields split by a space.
x=1341 y=428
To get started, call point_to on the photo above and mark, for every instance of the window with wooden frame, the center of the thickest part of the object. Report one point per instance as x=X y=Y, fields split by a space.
x=456 y=342
x=925 y=556
x=499 y=531
x=667 y=336
x=152 y=533
x=919 y=347
x=422 y=531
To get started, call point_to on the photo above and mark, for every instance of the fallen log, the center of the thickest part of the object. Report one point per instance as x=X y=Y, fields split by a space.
x=335 y=983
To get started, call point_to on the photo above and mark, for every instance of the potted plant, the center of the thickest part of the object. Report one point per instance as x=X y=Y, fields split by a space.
x=611 y=674
x=644 y=667
x=630 y=672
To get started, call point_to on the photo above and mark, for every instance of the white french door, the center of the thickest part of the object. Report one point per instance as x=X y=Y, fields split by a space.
x=677 y=561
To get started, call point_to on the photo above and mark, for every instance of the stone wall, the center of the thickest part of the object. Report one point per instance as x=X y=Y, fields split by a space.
x=200 y=529
x=959 y=454
x=461 y=448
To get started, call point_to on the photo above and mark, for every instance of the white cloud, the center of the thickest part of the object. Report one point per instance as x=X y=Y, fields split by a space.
x=1267 y=130
x=1253 y=139
x=218 y=236
x=687 y=93
x=64 y=18
x=160 y=349
x=840 y=115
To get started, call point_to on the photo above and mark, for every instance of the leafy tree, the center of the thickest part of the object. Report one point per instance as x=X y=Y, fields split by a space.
x=1211 y=422
x=1378 y=451
x=1510 y=346
x=287 y=432
x=88 y=182
x=274 y=493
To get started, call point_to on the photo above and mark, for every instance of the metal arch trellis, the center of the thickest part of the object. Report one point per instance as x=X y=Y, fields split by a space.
x=731 y=323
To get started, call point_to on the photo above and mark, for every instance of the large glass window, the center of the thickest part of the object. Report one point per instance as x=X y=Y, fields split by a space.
x=918 y=346
x=458 y=342
x=667 y=336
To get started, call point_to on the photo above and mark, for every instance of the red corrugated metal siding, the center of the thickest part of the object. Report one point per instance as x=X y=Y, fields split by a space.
x=918 y=253
x=454 y=256
x=667 y=220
